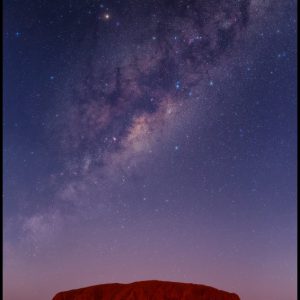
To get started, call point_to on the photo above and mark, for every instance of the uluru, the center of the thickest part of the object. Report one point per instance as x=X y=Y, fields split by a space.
x=147 y=290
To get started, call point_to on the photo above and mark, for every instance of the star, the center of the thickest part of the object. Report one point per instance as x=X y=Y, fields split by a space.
x=106 y=16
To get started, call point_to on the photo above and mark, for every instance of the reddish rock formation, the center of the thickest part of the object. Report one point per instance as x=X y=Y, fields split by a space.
x=147 y=290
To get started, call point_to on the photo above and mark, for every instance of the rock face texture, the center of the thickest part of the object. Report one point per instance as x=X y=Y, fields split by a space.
x=147 y=290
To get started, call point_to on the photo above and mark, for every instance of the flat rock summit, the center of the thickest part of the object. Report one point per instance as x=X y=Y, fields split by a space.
x=147 y=290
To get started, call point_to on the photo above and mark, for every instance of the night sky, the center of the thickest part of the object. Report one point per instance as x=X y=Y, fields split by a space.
x=150 y=140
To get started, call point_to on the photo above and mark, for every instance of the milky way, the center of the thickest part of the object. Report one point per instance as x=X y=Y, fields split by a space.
x=124 y=107
x=150 y=140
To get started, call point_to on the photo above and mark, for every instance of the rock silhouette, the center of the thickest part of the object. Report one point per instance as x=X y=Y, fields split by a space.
x=147 y=290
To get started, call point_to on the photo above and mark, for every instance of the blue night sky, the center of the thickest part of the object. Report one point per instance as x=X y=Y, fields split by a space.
x=150 y=140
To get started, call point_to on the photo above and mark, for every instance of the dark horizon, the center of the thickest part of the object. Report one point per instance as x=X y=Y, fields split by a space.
x=150 y=139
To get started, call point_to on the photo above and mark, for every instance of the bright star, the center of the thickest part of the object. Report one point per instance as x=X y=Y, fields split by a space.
x=107 y=16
